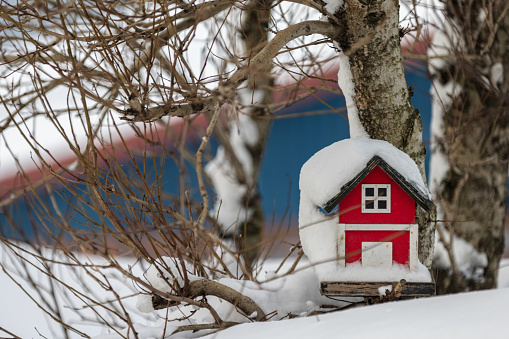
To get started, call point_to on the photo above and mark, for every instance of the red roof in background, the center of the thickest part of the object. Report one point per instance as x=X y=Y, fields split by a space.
x=130 y=143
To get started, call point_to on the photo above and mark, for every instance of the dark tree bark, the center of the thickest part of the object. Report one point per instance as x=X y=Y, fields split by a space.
x=475 y=137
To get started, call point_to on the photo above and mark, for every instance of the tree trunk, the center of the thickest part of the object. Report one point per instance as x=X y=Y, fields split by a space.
x=255 y=33
x=473 y=140
x=371 y=40
x=253 y=101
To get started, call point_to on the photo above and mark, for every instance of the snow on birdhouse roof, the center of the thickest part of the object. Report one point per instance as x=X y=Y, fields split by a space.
x=331 y=173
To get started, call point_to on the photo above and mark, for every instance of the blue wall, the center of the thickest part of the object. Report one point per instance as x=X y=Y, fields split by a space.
x=291 y=142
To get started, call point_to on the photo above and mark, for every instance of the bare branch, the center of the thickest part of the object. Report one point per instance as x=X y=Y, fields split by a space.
x=227 y=90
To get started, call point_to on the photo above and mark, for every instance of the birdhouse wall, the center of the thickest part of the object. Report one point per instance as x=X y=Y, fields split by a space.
x=402 y=205
x=400 y=244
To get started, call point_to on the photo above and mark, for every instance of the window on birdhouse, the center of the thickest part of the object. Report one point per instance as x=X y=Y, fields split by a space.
x=376 y=198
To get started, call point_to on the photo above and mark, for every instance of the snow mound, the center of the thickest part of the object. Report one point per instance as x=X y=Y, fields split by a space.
x=465 y=316
x=297 y=294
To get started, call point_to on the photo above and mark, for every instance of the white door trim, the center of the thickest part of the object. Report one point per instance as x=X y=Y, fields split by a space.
x=412 y=228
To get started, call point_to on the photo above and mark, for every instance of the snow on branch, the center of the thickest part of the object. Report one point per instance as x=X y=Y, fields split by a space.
x=345 y=82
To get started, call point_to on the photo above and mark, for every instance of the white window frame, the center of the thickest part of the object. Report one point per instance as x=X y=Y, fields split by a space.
x=376 y=198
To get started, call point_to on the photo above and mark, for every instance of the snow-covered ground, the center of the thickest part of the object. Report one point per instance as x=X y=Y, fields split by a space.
x=469 y=315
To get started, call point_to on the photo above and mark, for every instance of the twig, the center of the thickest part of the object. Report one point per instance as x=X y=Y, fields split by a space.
x=199 y=165
x=198 y=327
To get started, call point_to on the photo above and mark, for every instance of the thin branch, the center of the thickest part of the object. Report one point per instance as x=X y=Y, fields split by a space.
x=227 y=90
x=199 y=165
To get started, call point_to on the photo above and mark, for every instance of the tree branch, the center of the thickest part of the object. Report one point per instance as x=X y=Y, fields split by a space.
x=227 y=90
x=198 y=327
x=205 y=287
x=281 y=38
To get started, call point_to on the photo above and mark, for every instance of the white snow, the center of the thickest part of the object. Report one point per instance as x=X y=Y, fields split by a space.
x=20 y=315
x=229 y=207
x=469 y=261
x=503 y=273
x=230 y=259
x=279 y=296
x=318 y=236
x=357 y=272
x=325 y=173
x=245 y=129
x=439 y=163
x=444 y=43
x=345 y=82
x=332 y=6
x=465 y=316
x=497 y=73
x=382 y=290
x=166 y=276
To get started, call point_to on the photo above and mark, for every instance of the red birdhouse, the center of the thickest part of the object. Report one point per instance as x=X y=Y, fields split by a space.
x=377 y=217
x=357 y=218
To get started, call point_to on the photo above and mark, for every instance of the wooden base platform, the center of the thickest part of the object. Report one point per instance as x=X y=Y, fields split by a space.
x=370 y=289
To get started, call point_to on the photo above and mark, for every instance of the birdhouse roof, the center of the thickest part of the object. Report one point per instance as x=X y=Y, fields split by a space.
x=330 y=174
x=422 y=201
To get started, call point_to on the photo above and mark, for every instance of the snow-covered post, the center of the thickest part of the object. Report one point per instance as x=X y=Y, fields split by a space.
x=377 y=94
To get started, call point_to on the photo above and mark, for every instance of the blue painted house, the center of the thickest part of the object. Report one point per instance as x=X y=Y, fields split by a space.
x=291 y=142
